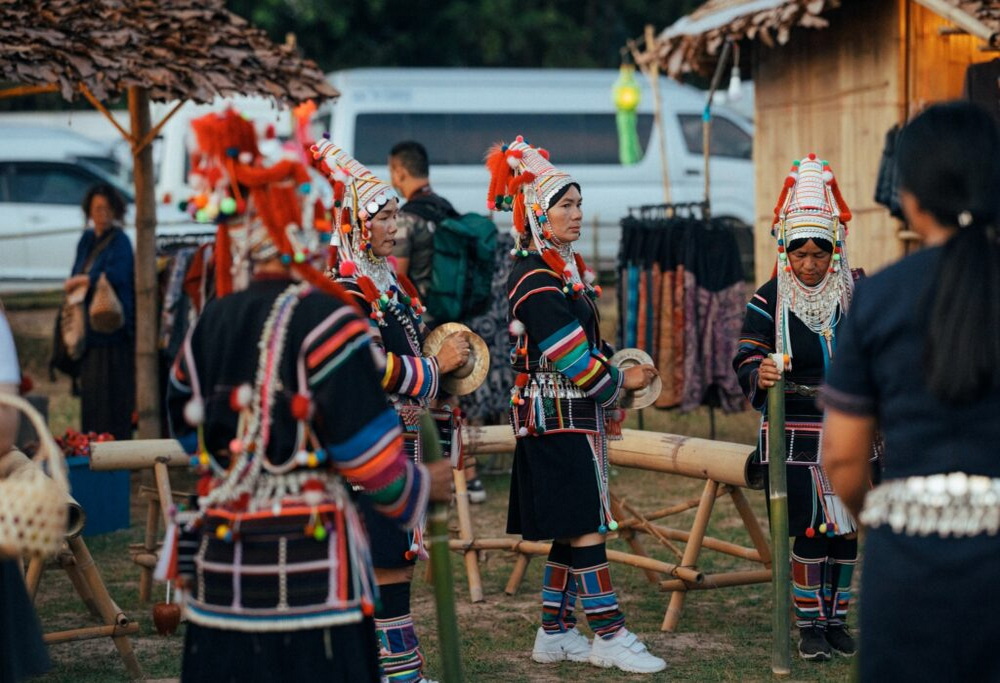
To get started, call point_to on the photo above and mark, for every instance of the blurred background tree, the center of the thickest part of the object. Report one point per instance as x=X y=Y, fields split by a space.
x=500 y=33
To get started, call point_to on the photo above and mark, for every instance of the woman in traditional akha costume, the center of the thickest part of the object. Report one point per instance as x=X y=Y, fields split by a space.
x=365 y=211
x=797 y=313
x=919 y=361
x=277 y=390
x=564 y=394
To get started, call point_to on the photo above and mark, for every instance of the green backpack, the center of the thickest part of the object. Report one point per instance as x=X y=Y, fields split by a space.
x=462 y=267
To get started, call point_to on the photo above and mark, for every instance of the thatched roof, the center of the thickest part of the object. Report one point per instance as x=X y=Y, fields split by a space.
x=177 y=49
x=692 y=44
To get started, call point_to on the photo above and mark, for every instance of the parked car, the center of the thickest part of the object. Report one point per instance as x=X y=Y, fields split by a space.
x=44 y=175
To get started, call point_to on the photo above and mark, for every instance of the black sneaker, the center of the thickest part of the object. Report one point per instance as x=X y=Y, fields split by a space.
x=841 y=640
x=812 y=644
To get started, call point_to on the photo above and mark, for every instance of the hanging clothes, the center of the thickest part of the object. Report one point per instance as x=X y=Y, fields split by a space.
x=681 y=297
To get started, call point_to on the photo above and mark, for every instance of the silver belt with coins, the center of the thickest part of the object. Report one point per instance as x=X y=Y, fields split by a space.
x=948 y=505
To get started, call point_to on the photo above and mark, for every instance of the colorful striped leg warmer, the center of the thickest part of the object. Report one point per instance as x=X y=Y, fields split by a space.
x=399 y=650
x=808 y=566
x=839 y=571
x=593 y=580
x=558 y=590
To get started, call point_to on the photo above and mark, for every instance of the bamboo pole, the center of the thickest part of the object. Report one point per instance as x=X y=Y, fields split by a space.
x=137 y=455
x=752 y=526
x=652 y=72
x=723 y=580
x=781 y=664
x=706 y=120
x=147 y=381
x=540 y=548
x=471 y=555
x=720 y=461
x=692 y=550
x=438 y=540
x=90 y=632
x=517 y=574
x=618 y=509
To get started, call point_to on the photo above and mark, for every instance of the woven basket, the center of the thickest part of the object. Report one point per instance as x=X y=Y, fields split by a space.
x=33 y=505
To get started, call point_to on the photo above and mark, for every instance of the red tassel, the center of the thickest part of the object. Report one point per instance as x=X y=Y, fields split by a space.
x=520 y=214
x=223 y=263
x=554 y=260
x=500 y=172
x=845 y=211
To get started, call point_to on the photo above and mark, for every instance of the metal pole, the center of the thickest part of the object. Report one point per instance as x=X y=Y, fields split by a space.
x=781 y=664
x=444 y=593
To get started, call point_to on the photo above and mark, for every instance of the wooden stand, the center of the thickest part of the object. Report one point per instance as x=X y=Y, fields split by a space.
x=723 y=467
x=159 y=454
x=79 y=565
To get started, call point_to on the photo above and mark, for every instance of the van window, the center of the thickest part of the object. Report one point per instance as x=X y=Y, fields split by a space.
x=462 y=139
x=728 y=139
x=41 y=183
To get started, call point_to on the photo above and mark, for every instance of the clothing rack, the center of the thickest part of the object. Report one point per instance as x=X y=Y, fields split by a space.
x=681 y=298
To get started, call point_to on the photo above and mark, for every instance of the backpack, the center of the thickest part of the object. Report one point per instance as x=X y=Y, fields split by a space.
x=463 y=261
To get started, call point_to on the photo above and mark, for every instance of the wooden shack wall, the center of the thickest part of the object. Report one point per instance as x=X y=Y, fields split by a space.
x=835 y=92
x=937 y=61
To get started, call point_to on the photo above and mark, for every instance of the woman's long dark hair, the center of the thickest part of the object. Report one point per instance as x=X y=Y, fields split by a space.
x=949 y=160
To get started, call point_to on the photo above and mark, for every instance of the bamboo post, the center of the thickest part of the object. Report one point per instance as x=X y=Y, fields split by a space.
x=110 y=612
x=471 y=555
x=752 y=525
x=706 y=133
x=691 y=551
x=149 y=546
x=517 y=574
x=437 y=536
x=653 y=74
x=147 y=383
x=627 y=533
x=781 y=664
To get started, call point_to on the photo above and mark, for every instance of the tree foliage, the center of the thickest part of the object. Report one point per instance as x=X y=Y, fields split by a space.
x=509 y=33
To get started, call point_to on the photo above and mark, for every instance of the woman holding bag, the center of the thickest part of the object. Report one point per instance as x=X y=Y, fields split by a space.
x=104 y=265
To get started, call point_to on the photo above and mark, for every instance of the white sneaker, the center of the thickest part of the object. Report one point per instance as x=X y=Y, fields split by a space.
x=556 y=647
x=626 y=652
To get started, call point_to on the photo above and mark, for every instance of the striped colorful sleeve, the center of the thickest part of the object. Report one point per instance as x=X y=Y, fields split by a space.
x=410 y=375
x=756 y=341
x=538 y=302
x=373 y=458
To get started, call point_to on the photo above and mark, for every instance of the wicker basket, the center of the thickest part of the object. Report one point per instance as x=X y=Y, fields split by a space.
x=33 y=505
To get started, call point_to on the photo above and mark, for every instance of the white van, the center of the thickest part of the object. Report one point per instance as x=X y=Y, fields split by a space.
x=458 y=113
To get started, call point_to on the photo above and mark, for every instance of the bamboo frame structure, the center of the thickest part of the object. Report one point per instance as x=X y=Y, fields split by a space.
x=722 y=465
x=82 y=571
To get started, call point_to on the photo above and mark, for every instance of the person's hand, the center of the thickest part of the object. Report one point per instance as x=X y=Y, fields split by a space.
x=454 y=352
x=441 y=480
x=768 y=373
x=639 y=377
x=76 y=281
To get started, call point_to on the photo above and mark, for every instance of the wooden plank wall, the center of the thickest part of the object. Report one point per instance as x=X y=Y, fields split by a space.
x=938 y=62
x=835 y=92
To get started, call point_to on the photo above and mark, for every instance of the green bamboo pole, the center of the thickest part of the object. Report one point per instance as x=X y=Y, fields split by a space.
x=444 y=592
x=781 y=664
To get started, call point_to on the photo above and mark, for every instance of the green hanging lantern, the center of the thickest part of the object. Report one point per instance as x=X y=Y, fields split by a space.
x=626 y=96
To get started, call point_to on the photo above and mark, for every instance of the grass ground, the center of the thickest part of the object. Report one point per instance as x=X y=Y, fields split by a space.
x=724 y=635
